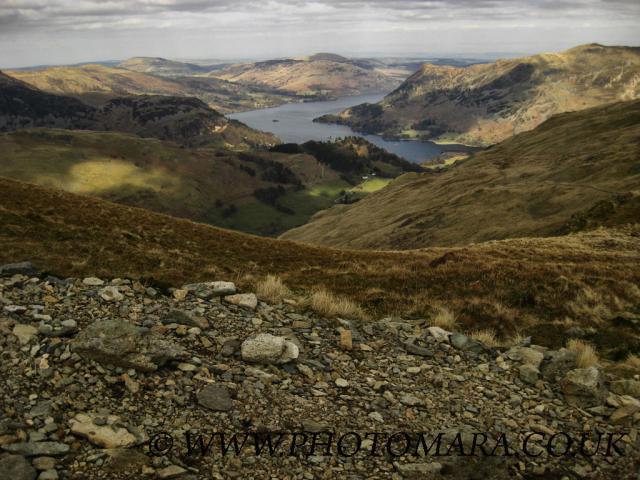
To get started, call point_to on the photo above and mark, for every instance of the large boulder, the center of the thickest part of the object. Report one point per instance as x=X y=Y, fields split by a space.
x=583 y=387
x=21 y=268
x=465 y=343
x=557 y=363
x=122 y=344
x=106 y=432
x=16 y=467
x=206 y=290
x=526 y=355
x=245 y=300
x=216 y=398
x=266 y=348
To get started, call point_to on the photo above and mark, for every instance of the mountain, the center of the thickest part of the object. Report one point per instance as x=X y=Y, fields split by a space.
x=163 y=67
x=258 y=192
x=187 y=121
x=23 y=106
x=575 y=171
x=485 y=103
x=97 y=83
x=322 y=74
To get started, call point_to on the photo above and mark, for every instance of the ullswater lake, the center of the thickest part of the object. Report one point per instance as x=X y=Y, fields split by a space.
x=293 y=123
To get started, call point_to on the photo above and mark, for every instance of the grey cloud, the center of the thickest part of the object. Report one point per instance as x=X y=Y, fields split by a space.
x=272 y=24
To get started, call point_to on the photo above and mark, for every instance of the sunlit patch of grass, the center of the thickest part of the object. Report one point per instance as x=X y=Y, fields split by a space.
x=330 y=305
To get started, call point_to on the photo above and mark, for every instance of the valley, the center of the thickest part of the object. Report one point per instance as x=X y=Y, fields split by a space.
x=416 y=242
x=563 y=176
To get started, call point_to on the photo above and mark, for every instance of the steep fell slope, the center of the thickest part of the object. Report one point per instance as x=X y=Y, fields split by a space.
x=486 y=103
x=184 y=120
x=577 y=170
x=97 y=83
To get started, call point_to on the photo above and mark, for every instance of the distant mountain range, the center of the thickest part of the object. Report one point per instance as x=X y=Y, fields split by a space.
x=575 y=171
x=96 y=84
x=322 y=74
x=483 y=104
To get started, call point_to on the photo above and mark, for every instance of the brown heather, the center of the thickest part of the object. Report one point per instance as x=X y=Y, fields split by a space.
x=519 y=285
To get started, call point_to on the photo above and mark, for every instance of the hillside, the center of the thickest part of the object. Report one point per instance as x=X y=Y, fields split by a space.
x=320 y=75
x=163 y=67
x=258 y=192
x=184 y=120
x=23 y=106
x=97 y=83
x=575 y=171
x=514 y=285
x=486 y=103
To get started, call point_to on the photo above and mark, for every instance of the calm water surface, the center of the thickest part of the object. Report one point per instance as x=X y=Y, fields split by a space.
x=294 y=123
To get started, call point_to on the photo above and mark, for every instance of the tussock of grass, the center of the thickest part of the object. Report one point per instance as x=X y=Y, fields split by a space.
x=271 y=289
x=487 y=336
x=632 y=362
x=586 y=355
x=444 y=318
x=515 y=339
x=326 y=303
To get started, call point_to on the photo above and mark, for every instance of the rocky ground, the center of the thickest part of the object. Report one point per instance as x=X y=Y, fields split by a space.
x=113 y=379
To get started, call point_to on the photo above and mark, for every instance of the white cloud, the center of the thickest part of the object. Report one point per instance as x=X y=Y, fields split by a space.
x=56 y=31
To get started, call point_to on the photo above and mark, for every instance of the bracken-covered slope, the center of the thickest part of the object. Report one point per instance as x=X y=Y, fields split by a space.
x=575 y=171
x=184 y=120
x=96 y=83
x=318 y=75
x=511 y=285
x=484 y=104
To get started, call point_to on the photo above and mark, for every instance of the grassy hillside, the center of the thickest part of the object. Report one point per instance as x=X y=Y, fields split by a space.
x=259 y=192
x=97 y=83
x=577 y=170
x=538 y=286
x=486 y=103
x=320 y=75
x=163 y=67
x=184 y=120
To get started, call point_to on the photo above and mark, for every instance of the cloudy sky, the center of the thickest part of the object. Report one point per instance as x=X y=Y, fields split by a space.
x=36 y=32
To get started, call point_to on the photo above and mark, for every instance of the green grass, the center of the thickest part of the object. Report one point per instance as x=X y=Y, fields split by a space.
x=371 y=185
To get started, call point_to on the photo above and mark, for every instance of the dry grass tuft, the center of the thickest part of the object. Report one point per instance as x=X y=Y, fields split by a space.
x=632 y=362
x=586 y=355
x=444 y=318
x=515 y=340
x=272 y=290
x=487 y=336
x=326 y=303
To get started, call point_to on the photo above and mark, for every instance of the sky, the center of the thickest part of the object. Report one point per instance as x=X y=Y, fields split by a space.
x=44 y=32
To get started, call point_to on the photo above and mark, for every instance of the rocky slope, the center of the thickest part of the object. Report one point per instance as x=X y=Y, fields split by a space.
x=97 y=83
x=318 y=75
x=575 y=171
x=184 y=120
x=110 y=378
x=486 y=103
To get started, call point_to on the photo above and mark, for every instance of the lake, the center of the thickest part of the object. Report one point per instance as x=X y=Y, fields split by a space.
x=294 y=123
